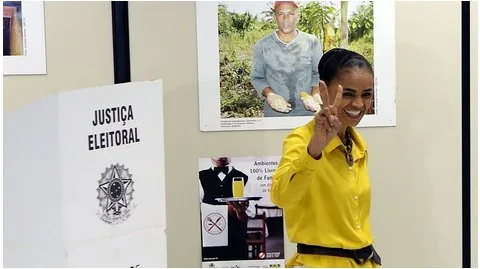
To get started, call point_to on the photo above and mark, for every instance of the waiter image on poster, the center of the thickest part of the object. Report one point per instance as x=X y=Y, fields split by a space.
x=219 y=181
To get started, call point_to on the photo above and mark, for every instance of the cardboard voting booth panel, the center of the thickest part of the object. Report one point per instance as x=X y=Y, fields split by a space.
x=84 y=174
x=136 y=249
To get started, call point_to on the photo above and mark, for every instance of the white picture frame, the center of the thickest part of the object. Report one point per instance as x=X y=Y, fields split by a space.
x=29 y=58
x=209 y=75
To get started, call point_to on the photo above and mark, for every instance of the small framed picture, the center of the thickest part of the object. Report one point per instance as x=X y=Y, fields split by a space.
x=23 y=38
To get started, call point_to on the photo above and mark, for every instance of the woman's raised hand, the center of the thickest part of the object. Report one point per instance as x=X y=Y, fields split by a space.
x=327 y=123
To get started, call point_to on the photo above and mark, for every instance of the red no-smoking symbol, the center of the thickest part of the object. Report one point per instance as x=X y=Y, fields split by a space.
x=214 y=223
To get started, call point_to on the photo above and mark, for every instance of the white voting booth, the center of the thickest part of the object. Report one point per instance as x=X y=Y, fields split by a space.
x=84 y=179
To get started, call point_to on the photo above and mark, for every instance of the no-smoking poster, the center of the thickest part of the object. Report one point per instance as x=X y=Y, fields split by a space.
x=240 y=225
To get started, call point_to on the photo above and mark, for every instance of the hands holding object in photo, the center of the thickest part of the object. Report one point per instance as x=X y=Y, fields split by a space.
x=311 y=103
x=277 y=103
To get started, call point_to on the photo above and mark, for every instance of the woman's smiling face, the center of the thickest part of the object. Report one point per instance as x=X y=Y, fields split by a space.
x=357 y=94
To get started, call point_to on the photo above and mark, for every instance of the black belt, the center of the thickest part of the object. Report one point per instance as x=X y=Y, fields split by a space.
x=360 y=256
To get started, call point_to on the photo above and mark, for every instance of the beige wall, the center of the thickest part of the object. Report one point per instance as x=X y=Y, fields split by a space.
x=415 y=167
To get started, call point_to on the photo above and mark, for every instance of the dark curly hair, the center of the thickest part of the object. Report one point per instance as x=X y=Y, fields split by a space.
x=337 y=59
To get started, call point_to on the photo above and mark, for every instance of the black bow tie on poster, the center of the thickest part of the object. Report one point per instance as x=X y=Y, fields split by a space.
x=221 y=169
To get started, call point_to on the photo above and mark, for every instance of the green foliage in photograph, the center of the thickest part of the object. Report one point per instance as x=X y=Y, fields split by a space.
x=238 y=33
x=238 y=98
x=319 y=20
x=361 y=31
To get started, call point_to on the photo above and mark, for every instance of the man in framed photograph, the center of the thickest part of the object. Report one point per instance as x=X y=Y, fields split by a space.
x=285 y=64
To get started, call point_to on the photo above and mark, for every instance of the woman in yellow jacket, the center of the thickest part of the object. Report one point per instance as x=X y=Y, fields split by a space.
x=322 y=179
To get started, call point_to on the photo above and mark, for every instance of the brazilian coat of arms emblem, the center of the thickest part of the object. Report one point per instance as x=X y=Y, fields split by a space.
x=115 y=194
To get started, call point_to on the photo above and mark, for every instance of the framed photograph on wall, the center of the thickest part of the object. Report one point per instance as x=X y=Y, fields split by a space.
x=23 y=38
x=227 y=32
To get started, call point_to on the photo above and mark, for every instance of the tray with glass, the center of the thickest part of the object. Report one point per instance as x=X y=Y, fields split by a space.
x=238 y=185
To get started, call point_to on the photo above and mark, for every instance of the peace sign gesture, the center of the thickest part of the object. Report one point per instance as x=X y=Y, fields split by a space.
x=327 y=123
